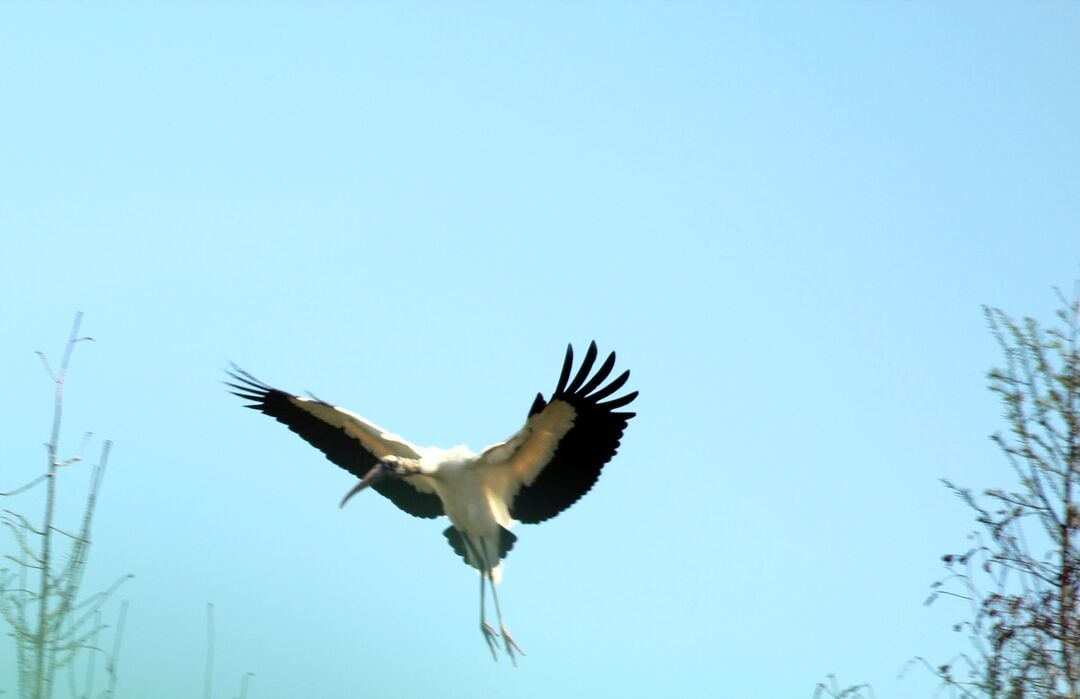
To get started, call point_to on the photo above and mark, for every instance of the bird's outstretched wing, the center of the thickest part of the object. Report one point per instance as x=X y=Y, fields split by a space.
x=344 y=437
x=557 y=456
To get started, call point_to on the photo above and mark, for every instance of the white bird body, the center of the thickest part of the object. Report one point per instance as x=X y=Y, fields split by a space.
x=472 y=504
x=541 y=470
x=466 y=494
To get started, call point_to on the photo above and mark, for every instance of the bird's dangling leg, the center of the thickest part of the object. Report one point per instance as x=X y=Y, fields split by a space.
x=508 y=641
x=485 y=628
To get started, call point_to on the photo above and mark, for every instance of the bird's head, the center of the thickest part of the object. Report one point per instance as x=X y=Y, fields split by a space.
x=388 y=467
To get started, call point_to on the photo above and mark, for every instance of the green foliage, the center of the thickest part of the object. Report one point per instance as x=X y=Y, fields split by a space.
x=831 y=688
x=1021 y=574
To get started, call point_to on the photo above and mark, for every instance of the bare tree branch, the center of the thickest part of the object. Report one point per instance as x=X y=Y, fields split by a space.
x=40 y=597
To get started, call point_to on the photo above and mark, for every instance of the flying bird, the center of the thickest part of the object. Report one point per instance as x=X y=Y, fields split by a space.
x=543 y=469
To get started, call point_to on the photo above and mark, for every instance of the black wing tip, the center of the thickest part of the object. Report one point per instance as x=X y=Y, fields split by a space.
x=583 y=371
x=564 y=375
x=618 y=402
x=240 y=376
x=246 y=387
x=592 y=390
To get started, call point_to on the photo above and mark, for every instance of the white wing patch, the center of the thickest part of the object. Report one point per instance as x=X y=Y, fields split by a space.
x=520 y=459
x=373 y=438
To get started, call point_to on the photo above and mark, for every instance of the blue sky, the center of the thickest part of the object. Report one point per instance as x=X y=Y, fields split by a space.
x=783 y=217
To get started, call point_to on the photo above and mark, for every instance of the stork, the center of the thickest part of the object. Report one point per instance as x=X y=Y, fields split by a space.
x=534 y=475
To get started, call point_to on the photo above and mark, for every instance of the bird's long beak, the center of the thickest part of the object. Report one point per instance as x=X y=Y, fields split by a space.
x=376 y=474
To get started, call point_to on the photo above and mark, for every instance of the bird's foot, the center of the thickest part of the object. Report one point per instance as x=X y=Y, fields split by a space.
x=511 y=645
x=490 y=636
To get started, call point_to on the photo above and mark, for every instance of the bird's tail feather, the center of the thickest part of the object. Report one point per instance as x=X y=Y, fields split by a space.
x=469 y=550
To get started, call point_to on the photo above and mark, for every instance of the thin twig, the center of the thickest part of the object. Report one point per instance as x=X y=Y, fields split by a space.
x=24 y=488
x=114 y=657
x=244 y=684
x=208 y=680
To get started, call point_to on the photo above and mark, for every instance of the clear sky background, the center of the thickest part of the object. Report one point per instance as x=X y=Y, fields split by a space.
x=783 y=217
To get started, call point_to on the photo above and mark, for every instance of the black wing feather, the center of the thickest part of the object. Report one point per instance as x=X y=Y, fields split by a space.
x=618 y=402
x=339 y=447
x=564 y=375
x=585 y=448
x=615 y=385
x=583 y=372
x=601 y=374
